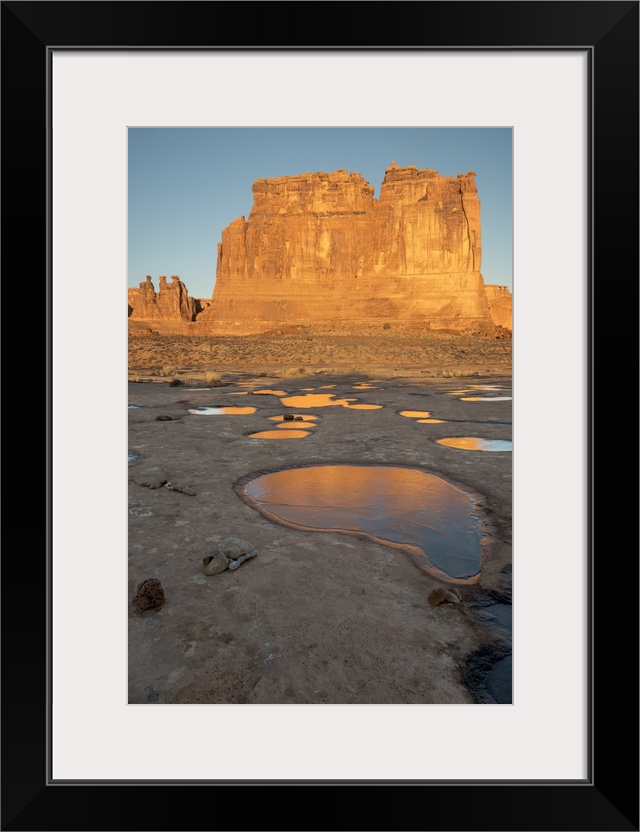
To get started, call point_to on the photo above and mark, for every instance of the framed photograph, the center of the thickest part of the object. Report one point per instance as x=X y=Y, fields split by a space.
x=563 y=79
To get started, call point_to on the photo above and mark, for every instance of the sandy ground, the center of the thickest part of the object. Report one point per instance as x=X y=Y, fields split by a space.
x=315 y=617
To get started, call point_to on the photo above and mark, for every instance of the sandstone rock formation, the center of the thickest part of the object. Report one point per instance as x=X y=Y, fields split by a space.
x=170 y=303
x=500 y=305
x=320 y=249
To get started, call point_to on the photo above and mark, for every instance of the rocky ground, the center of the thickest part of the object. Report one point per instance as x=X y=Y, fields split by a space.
x=314 y=617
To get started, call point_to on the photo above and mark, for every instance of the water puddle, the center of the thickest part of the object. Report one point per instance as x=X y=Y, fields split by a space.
x=418 y=512
x=325 y=400
x=422 y=416
x=475 y=443
x=222 y=411
x=487 y=387
x=133 y=406
x=241 y=393
x=280 y=434
x=131 y=457
x=269 y=392
x=498 y=681
x=485 y=399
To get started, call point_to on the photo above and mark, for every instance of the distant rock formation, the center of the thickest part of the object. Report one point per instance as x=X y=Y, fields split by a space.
x=500 y=305
x=320 y=249
x=170 y=303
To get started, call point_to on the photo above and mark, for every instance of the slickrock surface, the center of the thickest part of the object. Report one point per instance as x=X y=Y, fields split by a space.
x=315 y=617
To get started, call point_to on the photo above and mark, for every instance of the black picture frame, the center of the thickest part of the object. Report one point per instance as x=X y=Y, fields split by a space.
x=608 y=798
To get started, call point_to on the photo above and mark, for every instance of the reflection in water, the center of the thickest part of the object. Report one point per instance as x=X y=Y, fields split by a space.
x=486 y=387
x=485 y=399
x=241 y=393
x=280 y=434
x=315 y=400
x=401 y=506
x=269 y=392
x=295 y=425
x=222 y=411
x=325 y=400
x=475 y=443
x=415 y=413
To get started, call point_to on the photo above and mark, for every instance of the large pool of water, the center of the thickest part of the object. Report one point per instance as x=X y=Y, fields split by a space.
x=405 y=507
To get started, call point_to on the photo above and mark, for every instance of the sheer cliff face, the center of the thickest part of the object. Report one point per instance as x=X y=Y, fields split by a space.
x=500 y=305
x=319 y=248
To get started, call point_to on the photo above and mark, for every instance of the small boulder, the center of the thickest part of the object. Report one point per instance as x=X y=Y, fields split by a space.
x=288 y=417
x=213 y=564
x=176 y=383
x=233 y=547
x=149 y=595
x=151 y=478
x=443 y=596
x=164 y=418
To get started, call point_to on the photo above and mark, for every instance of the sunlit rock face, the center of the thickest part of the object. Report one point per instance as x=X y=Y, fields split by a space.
x=170 y=303
x=500 y=303
x=320 y=249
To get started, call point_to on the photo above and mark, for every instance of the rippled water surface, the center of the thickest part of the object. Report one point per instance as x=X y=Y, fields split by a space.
x=397 y=505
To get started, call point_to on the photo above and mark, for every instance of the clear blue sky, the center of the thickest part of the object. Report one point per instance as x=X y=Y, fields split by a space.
x=187 y=184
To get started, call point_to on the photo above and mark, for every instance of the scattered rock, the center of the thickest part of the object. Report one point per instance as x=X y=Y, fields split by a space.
x=236 y=563
x=233 y=547
x=288 y=417
x=183 y=489
x=153 y=478
x=298 y=419
x=164 y=418
x=213 y=564
x=149 y=595
x=442 y=596
x=175 y=382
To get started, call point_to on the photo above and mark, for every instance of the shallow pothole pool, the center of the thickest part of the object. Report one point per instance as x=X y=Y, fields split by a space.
x=423 y=514
x=476 y=443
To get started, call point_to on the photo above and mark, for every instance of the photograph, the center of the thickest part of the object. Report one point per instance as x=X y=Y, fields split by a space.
x=397 y=237
x=363 y=312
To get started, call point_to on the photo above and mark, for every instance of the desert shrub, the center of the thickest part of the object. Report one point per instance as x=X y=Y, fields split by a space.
x=386 y=326
x=211 y=376
x=167 y=371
